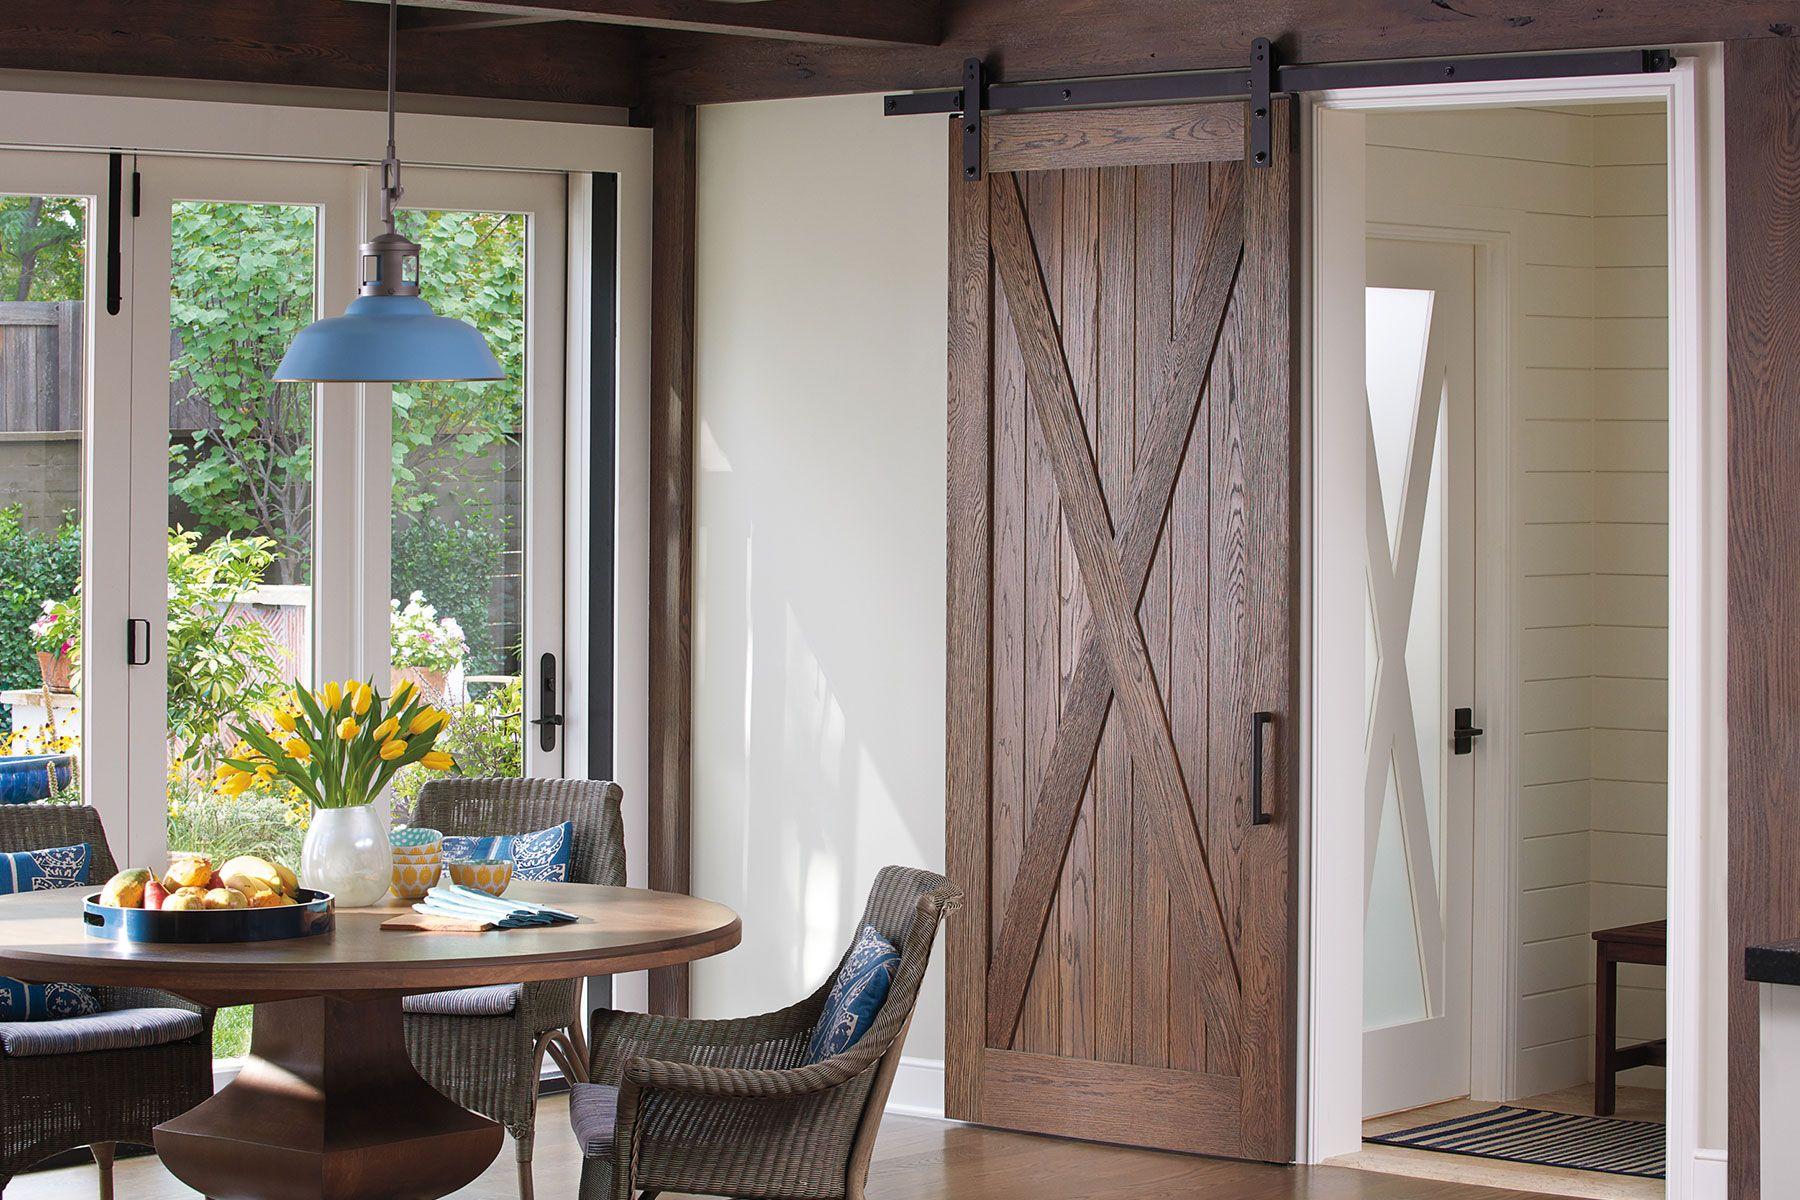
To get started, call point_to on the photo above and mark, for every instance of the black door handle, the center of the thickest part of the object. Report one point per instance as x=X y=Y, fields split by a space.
x=1462 y=737
x=548 y=720
x=1258 y=722
x=137 y=642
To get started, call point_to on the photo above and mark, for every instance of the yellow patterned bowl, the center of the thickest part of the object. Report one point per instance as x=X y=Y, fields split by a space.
x=413 y=880
x=490 y=875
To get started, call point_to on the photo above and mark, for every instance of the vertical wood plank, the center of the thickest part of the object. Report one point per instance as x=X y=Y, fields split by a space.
x=967 y=667
x=1039 y=1027
x=1762 y=324
x=1078 y=318
x=1189 y=541
x=671 y=521
x=1010 y=635
x=1151 y=920
x=1115 y=377
x=1262 y=658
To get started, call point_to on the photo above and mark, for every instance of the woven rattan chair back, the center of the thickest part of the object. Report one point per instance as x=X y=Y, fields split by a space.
x=490 y=807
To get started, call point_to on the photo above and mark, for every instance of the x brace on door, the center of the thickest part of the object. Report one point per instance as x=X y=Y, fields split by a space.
x=1265 y=77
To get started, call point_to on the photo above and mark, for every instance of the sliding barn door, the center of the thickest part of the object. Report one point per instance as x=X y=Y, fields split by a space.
x=1122 y=728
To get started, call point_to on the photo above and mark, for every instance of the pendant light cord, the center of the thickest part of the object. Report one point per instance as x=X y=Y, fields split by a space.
x=390 y=166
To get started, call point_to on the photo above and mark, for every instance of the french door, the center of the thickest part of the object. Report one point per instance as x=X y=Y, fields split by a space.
x=1122 y=730
x=293 y=532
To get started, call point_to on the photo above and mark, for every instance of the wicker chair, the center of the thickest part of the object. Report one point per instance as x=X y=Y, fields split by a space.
x=50 y=1103
x=490 y=1061
x=726 y=1108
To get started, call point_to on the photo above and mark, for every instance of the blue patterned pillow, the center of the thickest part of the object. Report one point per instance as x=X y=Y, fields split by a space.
x=542 y=855
x=40 y=871
x=850 y=1007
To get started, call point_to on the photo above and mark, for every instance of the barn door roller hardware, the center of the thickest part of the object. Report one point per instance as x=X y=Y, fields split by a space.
x=1265 y=78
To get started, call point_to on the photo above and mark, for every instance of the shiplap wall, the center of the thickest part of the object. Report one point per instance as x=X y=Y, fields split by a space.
x=1631 y=548
x=1582 y=193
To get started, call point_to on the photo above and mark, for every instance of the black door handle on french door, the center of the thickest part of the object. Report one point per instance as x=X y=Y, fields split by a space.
x=548 y=720
x=137 y=642
x=1258 y=721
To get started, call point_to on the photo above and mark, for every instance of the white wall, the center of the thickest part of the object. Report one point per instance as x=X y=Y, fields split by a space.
x=1582 y=193
x=819 y=550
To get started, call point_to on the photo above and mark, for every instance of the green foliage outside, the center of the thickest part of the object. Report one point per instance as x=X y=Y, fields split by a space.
x=42 y=248
x=452 y=564
x=35 y=567
x=237 y=269
x=486 y=737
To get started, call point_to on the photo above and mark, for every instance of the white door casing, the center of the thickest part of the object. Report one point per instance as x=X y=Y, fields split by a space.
x=1418 y=795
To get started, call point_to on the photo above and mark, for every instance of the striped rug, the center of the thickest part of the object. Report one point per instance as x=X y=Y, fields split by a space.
x=1550 y=1139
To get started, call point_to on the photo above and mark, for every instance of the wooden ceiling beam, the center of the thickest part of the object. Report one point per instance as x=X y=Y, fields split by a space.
x=1061 y=39
x=317 y=43
x=825 y=22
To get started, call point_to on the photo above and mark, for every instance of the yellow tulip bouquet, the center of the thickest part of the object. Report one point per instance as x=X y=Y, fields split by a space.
x=338 y=746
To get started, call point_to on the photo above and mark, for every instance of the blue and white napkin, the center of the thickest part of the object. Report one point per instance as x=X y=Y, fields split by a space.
x=466 y=904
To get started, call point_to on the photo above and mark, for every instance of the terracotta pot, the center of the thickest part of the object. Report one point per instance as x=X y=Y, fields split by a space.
x=55 y=668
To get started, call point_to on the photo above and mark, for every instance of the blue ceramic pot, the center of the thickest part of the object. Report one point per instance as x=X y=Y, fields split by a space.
x=26 y=777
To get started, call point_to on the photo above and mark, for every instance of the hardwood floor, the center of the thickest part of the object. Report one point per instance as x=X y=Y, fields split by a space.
x=1635 y=1104
x=916 y=1159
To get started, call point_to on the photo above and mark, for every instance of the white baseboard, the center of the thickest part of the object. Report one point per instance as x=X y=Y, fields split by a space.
x=918 y=1088
x=1708 y=1176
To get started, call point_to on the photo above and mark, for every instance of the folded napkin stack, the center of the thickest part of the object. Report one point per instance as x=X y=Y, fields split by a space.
x=466 y=904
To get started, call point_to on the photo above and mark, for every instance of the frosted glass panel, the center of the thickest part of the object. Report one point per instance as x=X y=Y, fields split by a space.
x=1406 y=633
x=1393 y=986
x=1398 y=327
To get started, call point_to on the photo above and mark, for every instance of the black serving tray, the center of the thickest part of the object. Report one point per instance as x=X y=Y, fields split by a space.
x=312 y=914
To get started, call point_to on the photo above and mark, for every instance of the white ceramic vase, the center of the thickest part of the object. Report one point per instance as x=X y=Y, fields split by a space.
x=346 y=853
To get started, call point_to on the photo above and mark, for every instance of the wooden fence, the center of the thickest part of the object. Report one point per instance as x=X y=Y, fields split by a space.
x=40 y=366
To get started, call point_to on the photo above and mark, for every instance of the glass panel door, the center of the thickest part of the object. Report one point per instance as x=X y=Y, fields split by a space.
x=476 y=517
x=54 y=524
x=241 y=595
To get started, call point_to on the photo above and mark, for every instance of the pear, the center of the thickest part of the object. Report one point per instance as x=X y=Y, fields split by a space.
x=290 y=883
x=126 y=889
x=187 y=899
x=225 y=898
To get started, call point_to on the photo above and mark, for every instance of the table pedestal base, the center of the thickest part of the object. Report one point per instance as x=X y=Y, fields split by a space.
x=328 y=1107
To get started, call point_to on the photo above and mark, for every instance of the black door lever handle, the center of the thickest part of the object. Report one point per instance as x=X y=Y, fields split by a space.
x=1462 y=737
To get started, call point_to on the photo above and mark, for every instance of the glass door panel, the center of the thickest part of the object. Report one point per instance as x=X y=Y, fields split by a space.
x=243 y=281
x=475 y=523
x=52 y=215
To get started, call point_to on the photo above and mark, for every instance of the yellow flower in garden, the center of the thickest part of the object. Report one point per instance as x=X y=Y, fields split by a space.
x=297 y=749
x=347 y=729
x=425 y=721
x=332 y=695
x=387 y=729
x=361 y=696
x=437 y=760
x=392 y=749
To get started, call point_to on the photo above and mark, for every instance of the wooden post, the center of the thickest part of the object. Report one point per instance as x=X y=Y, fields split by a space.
x=1762 y=315
x=671 y=520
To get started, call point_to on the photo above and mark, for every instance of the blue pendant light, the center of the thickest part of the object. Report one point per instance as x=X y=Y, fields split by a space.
x=388 y=334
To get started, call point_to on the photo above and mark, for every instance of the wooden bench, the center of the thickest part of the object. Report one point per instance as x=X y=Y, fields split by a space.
x=1646 y=943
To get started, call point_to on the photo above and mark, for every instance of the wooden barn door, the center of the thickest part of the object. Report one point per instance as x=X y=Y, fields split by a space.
x=1121 y=631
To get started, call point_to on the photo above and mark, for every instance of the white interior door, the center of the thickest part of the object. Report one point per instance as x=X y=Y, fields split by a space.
x=1419 y=792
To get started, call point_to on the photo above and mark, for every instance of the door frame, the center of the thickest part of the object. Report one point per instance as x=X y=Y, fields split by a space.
x=1332 y=634
x=1493 y=958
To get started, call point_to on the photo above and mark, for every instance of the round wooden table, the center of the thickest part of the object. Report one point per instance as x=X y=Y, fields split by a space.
x=328 y=1105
